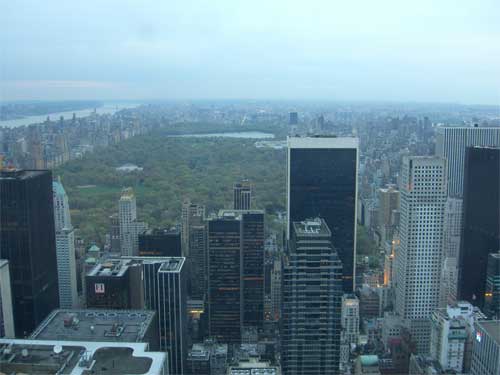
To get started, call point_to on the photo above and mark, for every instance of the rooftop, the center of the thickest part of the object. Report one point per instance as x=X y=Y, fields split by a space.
x=110 y=268
x=21 y=174
x=327 y=142
x=44 y=357
x=492 y=328
x=311 y=227
x=95 y=325
x=253 y=366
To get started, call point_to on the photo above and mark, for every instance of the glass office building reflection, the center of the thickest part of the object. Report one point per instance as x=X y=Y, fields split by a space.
x=322 y=182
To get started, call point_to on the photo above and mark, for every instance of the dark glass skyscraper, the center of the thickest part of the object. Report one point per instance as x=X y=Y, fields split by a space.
x=481 y=221
x=27 y=237
x=224 y=279
x=322 y=182
x=312 y=301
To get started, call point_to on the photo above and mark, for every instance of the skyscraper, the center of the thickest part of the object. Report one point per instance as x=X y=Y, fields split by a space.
x=129 y=226
x=451 y=248
x=28 y=243
x=198 y=258
x=492 y=293
x=350 y=318
x=294 y=118
x=225 y=309
x=242 y=192
x=418 y=261
x=6 y=313
x=451 y=143
x=481 y=221
x=312 y=298
x=65 y=248
x=188 y=211
x=172 y=279
x=322 y=182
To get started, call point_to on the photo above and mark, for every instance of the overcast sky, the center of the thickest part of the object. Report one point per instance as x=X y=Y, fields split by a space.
x=401 y=50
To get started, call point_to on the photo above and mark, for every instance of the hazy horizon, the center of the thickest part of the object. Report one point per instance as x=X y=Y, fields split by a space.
x=388 y=51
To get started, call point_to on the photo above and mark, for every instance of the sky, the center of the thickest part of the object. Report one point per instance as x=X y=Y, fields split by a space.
x=370 y=50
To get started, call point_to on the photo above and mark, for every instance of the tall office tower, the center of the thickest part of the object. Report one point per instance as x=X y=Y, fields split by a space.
x=129 y=226
x=451 y=249
x=198 y=258
x=225 y=309
x=252 y=232
x=160 y=243
x=451 y=143
x=418 y=261
x=188 y=211
x=486 y=354
x=6 y=313
x=312 y=301
x=27 y=238
x=65 y=248
x=322 y=182
x=293 y=119
x=172 y=280
x=252 y=263
x=388 y=200
x=492 y=293
x=242 y=192
x=481 y=221
x=350 y=318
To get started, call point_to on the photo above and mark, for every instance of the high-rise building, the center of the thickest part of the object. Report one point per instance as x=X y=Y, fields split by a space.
x=225 y=308
x=27 y=238
x=388 y=201
x=451 y=143
x=252 y=238
x=350 y=318
x=492 y=293
x=481 y=221
x=65 y=248
x=172 y=279
x=6 y=313
x=129 y=226
x=242 y=192
x=486 y=354
x=276 y=290
x=322 y=182
x=418 y=260
x=312 y=301
x=451 y=249
x=294 y=118
x=188 y=211
x=154 y=283
x=160 y=243
x=198 y=258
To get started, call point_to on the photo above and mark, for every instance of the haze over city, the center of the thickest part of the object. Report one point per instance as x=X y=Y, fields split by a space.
x=424 y=51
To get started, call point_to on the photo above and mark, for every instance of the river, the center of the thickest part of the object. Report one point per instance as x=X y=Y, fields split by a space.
x=106 y=108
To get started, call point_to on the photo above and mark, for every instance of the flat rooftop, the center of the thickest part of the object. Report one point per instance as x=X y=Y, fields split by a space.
x=311 y=227
x=44 y=357
x=110 y=268
x=172 y=264
x=20 y=174
x=492 y=328
x=254 y=367
x=95 y=325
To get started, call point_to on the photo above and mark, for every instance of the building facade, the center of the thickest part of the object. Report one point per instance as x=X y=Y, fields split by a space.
x=28 y=242
x=451 y=143
x=312 y=302
x=486 y=354
x=160 y=243
x=6 y=313
x=350 y=318
x=418 y=260
x=481 y=221
x=242 y=195
x=322 y=182
x=65 y=248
